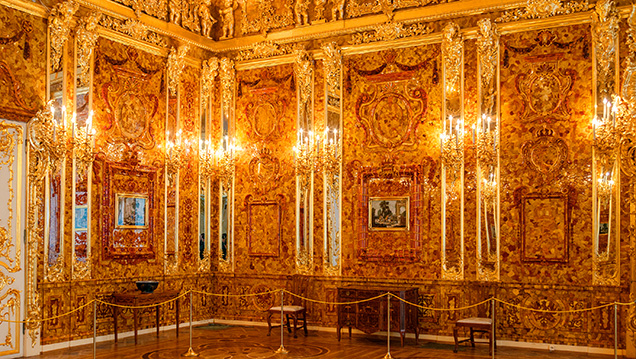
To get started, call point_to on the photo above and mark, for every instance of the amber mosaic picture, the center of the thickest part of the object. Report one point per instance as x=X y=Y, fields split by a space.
x=389 y=213
x=131 y=211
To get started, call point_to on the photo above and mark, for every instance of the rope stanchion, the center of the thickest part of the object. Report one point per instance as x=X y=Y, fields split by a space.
x=388 y=326
x=493 y=338
x=281 y=349
x=615 y=330
x=94 y=329
x=190 y=352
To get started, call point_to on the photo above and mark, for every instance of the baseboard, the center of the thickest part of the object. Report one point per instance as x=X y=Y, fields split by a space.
x=437 y=338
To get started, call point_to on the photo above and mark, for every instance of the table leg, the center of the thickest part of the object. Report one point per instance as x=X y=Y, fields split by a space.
x=135 y=323
x=157 y=312
x=177 y=315
x=115 y=320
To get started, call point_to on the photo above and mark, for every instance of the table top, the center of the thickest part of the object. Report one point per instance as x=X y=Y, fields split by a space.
x=136 y=297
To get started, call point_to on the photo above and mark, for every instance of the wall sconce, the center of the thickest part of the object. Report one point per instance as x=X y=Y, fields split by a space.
x=452 y=145
x=83 y=143
x=227 y=161
x=207 y=161
x=174 y=155
x=331 y=155
x=312 y=153
x=54 y=137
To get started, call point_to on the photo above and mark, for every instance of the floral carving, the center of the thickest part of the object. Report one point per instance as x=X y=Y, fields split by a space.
x=86 y=37
x=539 y=9
x=133 y=28
x=605 y=37
x=391 y=31
x=175 y=65
x=208 y=74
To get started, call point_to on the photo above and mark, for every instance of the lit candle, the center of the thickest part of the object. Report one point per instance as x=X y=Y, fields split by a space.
x=473 y=133
x=73 y=125
x=450 y=126
x=594 y=128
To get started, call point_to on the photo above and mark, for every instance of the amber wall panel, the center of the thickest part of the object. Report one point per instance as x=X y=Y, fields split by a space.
x=23 y=45
x=546 y=156
x=391 y=143
x=266 y=132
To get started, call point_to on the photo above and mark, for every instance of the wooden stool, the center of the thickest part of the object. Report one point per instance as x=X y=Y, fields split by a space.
x=296 y=312
x=476 y=325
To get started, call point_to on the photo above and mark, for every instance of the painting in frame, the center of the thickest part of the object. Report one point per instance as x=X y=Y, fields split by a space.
x=389 y=213
x=131 y=211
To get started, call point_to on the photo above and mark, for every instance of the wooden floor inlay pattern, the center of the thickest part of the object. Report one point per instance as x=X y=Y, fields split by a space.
x=253 y=343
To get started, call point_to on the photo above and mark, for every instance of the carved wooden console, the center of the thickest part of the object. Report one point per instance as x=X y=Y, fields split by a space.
x=371 y=316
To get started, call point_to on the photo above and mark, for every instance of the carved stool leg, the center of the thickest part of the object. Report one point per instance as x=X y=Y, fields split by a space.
x=472 y=337
x=305 y=322
x=455 y=330
x=269 y=323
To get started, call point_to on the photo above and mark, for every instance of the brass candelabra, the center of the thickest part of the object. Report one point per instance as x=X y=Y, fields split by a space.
x=174 y=156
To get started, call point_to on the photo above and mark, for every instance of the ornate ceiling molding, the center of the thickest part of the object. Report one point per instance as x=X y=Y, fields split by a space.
x=540 y=9
x=390 y=31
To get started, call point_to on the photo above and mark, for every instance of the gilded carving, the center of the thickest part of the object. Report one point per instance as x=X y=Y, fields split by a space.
x=333 y=68
x=175 y=65
x=391 y=31
x=228 y=79
x=265 y=172
x=133 y=28
x=86 y=37
x=304 y=72
x=227 y=18
x=206 y=18
x=155 y=8
x=452 y=50
x=208 y=73
x=301 y=8
x=60 y=28
x=539 y=9
x=546 y=155
x=337 y=10
x=544 y=91
x=488 y=50
x=262 y=16
x=263 y=50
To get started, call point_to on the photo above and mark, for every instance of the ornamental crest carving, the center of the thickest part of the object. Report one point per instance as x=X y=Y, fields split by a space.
x=389 y=110
x=544 y=320
x=130 y=110
x=265 y=113
x=544 y=91
x=264 y=170
x=547 y=155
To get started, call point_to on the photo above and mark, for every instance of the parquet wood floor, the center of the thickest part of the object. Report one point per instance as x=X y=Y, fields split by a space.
x=253 y=343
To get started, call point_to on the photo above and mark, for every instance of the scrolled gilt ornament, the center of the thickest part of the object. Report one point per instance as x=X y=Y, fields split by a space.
x=452 y=49
x=487 y=51
x=628 y=92
x=86 y=37
x=304 y=71
x=208 y=74
x=540 y=9
x=227 y=74
x=60 y=27
x=176 y=63
x=390 y=31
x=333 y=66
x=133 y=28
x=263 y=50
x=604 y=38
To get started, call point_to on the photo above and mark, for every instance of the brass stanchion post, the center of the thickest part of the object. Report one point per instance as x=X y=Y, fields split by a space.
x=492 y=327
x=281 y=349
x=615 y=331
x=94 y=328
x=190 y=352
x=388 y=326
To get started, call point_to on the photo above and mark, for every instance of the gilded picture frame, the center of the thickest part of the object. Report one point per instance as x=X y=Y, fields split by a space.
x=131 y=211
x=389 y=213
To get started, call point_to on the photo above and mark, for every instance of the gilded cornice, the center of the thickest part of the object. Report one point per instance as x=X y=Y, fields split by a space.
x=133 y=28
x=28 y=7
x=539 y=9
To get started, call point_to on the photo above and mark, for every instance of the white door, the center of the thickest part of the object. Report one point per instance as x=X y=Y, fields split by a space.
x=12 y=199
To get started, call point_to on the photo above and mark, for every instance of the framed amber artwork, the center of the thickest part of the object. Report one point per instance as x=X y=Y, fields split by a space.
x=389 y=213
x=131 y=211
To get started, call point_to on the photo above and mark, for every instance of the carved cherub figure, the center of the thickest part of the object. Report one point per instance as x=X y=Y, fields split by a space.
x=227 y=17
x=206 y=18
x=337 y=11
x=175 y=11
x=301 y=8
